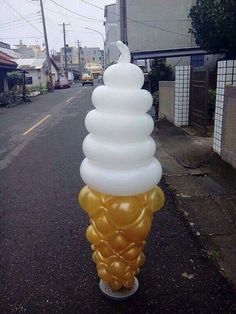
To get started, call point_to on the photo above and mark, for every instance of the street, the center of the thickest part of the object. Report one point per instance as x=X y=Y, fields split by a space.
x=45 y=262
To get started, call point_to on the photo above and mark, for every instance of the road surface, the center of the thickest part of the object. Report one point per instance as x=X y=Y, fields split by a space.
x=45 y=262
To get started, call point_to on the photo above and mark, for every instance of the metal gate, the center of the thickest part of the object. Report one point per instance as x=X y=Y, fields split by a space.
x=198 y=109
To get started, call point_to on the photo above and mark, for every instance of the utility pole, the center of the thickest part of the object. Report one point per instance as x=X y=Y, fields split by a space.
x=48 y=60
x=80 y=65
x=65 y=52
x=123 y=22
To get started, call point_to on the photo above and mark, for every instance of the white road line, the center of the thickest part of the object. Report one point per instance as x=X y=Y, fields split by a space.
x=68 y=100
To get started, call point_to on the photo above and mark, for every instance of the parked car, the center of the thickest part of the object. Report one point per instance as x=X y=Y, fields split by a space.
x=62 y=82
x=87 y=78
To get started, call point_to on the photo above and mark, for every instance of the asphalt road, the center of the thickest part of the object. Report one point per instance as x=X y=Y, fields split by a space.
x=45 y=261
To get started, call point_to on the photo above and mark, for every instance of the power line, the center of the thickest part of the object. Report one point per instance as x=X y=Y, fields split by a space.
x=19 y=19
x=138 y=22
x=22 y=16
x=35 y=37
x=62 y=14
x=74 y=12
x=72 y=17
x=20 y=23
x=19 y=26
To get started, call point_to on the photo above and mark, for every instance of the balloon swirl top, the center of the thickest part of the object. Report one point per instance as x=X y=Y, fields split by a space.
x=125 y=53
x=124 y=75
x=119 y=150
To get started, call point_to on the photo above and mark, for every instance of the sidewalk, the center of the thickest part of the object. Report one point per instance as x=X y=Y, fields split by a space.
x=207 y=199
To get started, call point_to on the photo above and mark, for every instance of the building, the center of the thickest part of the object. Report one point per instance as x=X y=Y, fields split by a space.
x=94 y=68
x=88 y=55
x=73 y=67
x=37 y=72
x=161 y=30
x=156 y=27
x=37 y=50
x=92 y=55
x=6 y=65
x=4 y=45
x=71 y=55
x=28 y=52
x=6 y=48
x=111 y=33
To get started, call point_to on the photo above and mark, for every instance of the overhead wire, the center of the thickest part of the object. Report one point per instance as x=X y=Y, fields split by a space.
x=74 y=12
x=19 y=19
x=22 y=16
x=21 y=23
x=21 y=37
x=72 y=17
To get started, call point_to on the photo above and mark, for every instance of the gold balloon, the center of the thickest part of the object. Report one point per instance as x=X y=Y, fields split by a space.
x=118 y=230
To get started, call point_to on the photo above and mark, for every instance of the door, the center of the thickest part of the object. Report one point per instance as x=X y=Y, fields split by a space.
x=198 y=111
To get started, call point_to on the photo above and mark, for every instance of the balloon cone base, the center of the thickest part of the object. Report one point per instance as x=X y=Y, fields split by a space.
x=121 y=294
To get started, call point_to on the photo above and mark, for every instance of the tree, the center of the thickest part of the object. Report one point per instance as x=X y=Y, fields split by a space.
x=160 y=71
x=213 y=25
x=14 y=80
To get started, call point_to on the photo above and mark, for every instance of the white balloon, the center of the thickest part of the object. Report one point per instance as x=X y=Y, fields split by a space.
x=118 y=155
x=119 y=150
x=121 y=182
x=111 y=99
x=119 y=126
x=123 y=76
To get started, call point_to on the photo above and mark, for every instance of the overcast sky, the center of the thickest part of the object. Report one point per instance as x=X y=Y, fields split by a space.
x=14 y=27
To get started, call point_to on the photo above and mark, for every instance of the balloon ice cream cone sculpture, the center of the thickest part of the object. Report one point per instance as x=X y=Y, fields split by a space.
x=120 y=173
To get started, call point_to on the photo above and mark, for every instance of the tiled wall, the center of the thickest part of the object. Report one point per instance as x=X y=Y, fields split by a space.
x=182 y=89
x=226 y=75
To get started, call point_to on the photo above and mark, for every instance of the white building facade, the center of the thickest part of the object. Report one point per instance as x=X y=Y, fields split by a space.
x=111 y=32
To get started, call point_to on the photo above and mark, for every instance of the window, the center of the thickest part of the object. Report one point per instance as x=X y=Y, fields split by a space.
x=93 y=59
x=28 y=80
x=197 y=61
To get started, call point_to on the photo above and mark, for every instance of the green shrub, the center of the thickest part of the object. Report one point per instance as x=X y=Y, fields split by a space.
x=156 y=103
x=39 y=88
x=160 y=71
x=14 y=80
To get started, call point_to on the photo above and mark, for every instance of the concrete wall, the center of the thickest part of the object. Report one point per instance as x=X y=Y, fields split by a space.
x=226 y=75
x=168 y=20
x=167 y=100
x=228 y=141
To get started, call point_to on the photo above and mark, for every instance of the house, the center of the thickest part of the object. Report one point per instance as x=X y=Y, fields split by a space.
x=37 y=72
x=6 y=65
